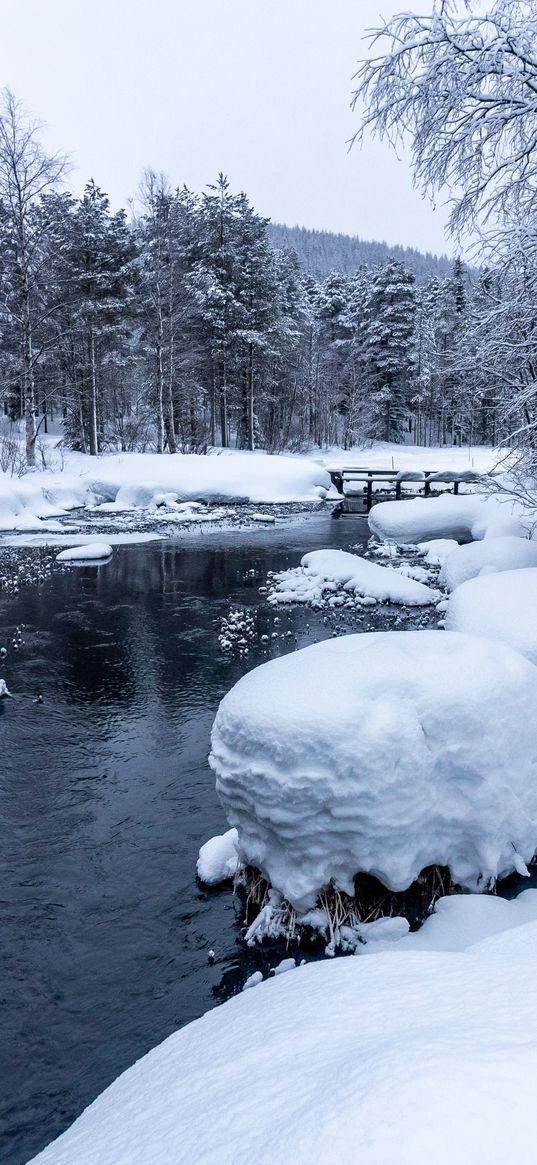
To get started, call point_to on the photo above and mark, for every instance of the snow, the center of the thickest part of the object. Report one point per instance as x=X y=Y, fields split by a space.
x=437 y=550
x=322 y=573
x=253 y=980
x=413 y=1054
x=4 y=691
x=128 y=538
x=413 y=458
x=217 y=860
x=502 y=606
x=463 y=518
x=146 y=481
x=487 y=557
x=382 y=753
x=86 y=552
x=285 y=965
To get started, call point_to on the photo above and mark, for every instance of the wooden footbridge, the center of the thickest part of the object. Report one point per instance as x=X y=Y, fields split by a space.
x=361 y=488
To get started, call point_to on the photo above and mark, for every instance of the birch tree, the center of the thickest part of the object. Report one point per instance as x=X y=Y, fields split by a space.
x=27 y=172
x=463 y=90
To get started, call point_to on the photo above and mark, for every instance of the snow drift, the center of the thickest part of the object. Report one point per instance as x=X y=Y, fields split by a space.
x=381 y=753
x=466 y=517
x=502 y=606
x=86 y=552
x=487 y=557
x=410 y=1056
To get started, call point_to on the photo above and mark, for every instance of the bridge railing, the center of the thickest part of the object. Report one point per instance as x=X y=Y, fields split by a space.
x=360 y=482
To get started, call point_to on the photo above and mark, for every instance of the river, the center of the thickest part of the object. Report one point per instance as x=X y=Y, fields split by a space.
x=105 y=798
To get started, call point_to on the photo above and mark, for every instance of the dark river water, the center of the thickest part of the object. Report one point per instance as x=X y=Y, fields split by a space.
x=105 y=798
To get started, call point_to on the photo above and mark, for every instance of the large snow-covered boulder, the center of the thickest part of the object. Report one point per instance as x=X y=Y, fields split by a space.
x=487 y=557
x=381 y=753
x=502 y=606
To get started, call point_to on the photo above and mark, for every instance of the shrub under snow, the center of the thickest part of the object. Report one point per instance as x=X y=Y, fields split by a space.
x=381 y=753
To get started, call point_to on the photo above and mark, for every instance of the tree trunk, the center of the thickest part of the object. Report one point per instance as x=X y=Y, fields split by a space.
x=251 y=435
x=92 y=399
x=160 y=408
x=28 y=371
x=223 y=410
x=169 y=416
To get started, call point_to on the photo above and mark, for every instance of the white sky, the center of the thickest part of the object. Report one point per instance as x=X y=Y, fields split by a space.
x=257 y=88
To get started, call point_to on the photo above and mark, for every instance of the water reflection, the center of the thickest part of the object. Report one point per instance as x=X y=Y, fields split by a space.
x=105 y=796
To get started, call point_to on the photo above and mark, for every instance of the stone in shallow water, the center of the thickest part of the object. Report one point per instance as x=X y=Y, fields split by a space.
x=88 y=552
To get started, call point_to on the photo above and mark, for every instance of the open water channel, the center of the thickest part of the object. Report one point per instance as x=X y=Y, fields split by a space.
x=105 y=798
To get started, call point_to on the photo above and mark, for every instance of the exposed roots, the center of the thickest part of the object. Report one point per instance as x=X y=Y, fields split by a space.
x=340 y=920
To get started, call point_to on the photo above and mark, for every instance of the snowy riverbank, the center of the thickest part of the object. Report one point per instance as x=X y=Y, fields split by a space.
x=424 y=1052
x=130 y=489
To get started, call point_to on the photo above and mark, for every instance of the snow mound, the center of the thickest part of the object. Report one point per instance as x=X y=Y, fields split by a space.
x=502 y=606
x=487 y=557
x=381 y=753
x=323 y=573
x=414 y=1057
x=217 y=860
x=467 y=517
x=436 y=550
x=87 y=552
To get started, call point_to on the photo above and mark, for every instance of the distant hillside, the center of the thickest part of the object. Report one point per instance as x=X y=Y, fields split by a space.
x=320 y=252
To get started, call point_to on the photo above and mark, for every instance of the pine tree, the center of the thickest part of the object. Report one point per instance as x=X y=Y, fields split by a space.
x=390 y=314
x=101 y=272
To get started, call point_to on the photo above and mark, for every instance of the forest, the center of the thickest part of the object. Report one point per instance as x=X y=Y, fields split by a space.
x=190 y=322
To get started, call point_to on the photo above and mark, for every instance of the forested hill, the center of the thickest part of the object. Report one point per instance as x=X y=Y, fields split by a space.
x=320 y=252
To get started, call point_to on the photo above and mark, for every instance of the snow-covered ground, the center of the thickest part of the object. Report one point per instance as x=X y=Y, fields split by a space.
x=381 y=753
x=388 y=455
x=168 y=488
x=423 y=1053
x=171 y=488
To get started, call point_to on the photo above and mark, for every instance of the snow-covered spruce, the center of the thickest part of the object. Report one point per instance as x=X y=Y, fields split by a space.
x=330 y=577
x=383 y=754
x=502 y=606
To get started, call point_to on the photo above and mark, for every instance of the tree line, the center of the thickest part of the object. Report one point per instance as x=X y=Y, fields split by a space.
x=179 y=326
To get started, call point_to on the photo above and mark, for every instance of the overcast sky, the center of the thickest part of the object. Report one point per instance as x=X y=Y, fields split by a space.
x=257 y=88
